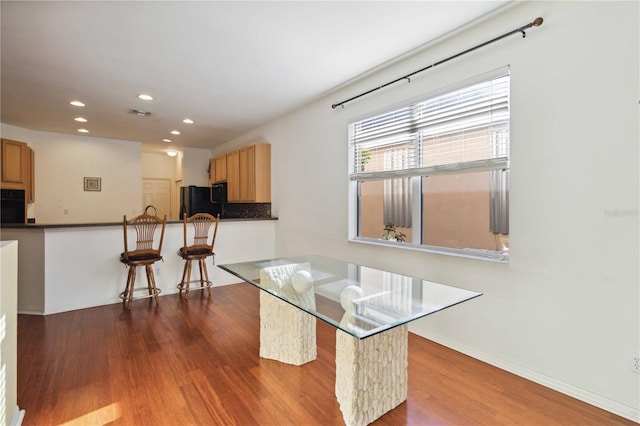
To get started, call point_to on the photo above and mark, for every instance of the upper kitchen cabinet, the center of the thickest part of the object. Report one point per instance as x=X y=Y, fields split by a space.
x=17 y=167
x=218 y=169
x=212 y=171
x=247 y=172
x=233 y=176
x=255 y=173
x=221 y=168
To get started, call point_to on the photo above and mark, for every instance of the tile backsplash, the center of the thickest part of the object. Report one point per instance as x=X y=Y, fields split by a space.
x=246 y=210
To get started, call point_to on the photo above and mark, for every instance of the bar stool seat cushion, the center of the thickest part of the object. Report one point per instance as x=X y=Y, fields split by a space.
x=195 y=252
x=139 y=257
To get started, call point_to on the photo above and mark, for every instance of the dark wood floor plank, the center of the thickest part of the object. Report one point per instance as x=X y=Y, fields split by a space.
x=196 y=362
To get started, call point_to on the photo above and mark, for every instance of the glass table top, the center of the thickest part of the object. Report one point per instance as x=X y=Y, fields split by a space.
x=359 y=300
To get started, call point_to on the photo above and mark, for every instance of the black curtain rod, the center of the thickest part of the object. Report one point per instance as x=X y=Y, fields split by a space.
x=536 y=23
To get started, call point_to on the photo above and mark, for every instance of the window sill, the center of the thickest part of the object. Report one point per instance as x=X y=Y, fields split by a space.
x=466 y=253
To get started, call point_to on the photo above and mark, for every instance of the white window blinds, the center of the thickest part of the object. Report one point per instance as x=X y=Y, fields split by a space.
x=463 y=129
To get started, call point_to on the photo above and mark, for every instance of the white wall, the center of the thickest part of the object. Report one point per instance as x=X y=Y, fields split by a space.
x=61 y=163
x=159 y=166
x=565 y=311
x=195 y=166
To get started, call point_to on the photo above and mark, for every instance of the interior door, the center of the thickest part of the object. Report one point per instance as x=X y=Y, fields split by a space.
x=157 y=192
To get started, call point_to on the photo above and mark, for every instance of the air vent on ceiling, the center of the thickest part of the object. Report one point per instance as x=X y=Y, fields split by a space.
x=140 y=112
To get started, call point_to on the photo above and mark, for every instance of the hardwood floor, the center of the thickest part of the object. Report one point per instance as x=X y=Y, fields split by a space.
x=196 y=362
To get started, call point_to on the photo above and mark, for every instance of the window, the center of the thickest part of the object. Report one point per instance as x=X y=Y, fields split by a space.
x=434 y=175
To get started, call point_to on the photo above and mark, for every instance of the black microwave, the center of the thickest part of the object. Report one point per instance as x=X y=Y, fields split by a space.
x=219 y=192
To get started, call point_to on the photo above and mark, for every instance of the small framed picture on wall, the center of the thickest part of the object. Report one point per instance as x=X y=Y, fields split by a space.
x=92 y=184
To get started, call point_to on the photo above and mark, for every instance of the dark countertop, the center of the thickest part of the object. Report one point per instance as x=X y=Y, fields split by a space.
x=86 y=225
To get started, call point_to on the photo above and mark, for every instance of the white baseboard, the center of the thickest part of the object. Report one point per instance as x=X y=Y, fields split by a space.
x=18 y=416
x=614 y=407
x=29 y=312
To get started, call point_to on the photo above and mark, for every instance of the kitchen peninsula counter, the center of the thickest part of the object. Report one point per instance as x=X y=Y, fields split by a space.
x=63 y=267
x=90 y=224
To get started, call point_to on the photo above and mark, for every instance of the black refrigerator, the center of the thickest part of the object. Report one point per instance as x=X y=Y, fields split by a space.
x=197 y=199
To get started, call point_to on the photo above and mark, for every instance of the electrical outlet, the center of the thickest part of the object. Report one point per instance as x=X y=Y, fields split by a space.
x=636 y=364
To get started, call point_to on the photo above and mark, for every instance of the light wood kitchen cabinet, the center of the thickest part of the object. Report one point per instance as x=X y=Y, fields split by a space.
x=247 y=172
x=255 y=173
x=13 y=164
x=233 y=176
x=254 y=178
x=262 y=176
x=17 y=167
x=218 y=169
x=221 y=168
x=212 y=171
x=31 y=182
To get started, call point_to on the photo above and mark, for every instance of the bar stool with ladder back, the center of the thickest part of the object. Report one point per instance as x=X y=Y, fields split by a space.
x=200 y=249
x=144 y=254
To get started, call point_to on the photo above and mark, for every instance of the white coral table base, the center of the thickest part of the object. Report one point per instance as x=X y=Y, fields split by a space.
x=287 y=334
x=371 y=374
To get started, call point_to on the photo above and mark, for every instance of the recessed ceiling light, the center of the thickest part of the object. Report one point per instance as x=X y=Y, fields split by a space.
x=77 y=103
x=172 y=153
x=145 y=97
x=175 y=132
x=187 y=121
x=166 y=140
x=83 y=130
x=81 y=119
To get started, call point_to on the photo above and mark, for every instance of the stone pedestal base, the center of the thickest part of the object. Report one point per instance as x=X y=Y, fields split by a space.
x=287 y=334
x=371 y=374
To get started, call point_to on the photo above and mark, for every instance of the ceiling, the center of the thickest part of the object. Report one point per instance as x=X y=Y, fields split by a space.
x=228 y=66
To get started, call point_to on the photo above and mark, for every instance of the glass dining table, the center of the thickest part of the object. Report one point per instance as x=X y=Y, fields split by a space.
x=370 y=308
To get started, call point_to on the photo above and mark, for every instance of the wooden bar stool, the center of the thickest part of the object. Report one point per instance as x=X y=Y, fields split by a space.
x=199 y=249
x=144 y=254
